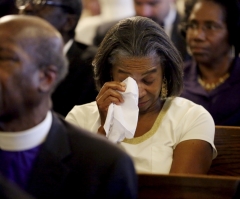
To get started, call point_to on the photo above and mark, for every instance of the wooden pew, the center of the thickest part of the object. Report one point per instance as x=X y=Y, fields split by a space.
x=227 y=142
x=175 y=186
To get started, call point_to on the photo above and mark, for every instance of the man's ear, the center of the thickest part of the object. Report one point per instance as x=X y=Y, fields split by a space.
x=70 y=23
x=48 y=78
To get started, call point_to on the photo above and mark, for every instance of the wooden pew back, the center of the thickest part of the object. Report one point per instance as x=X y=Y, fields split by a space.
x=186 y=186
x=227 y=142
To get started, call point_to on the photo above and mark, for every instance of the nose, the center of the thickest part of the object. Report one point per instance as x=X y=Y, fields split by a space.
x=199 y=33
x=141 y=91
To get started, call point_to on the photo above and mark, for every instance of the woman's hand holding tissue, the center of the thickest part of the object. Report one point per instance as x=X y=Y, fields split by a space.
x=107 y=95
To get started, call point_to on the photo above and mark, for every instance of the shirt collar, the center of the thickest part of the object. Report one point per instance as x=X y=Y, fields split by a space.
x=24 y=140
x=169 y=20
x=67 y=46
x=191 y=74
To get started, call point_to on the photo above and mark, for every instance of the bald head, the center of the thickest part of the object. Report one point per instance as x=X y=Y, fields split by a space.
x=28 y=26
x=32 y=63
x=38 y=38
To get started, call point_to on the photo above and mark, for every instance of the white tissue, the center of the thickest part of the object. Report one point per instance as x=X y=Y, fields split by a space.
x=121 y=121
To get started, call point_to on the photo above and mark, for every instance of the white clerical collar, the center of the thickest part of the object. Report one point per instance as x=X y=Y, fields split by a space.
x=169 y=20
x=67 y=46
x=24 y=140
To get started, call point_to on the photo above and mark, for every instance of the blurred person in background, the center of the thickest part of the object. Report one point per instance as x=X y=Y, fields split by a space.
x=111 y=10
x=7 y=7
x=180 y=4
x=78 y=86
x=163 y=12
x=90 y=8
x=211 y=79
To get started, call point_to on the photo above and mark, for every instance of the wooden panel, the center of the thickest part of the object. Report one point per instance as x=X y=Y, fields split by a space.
x=186 y=186
x=227 y=142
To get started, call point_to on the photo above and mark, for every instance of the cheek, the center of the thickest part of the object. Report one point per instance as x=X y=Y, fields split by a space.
x=158 y=10
x=158 y=88
x=9 y=82
x=155 y=88
x=21 y=85
x=188 y=38
x=161 y=10
x=220 y=41
x=10 y=91
x=137 y=8
x=154 y=92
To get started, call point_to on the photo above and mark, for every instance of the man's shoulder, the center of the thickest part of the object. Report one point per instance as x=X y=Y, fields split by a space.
x=80 y=54
x=78 y=46
x=83 y=140
x=89 y=160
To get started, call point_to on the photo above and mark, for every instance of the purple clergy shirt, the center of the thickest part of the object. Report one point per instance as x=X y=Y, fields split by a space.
x=223 y=103
x=17 y=165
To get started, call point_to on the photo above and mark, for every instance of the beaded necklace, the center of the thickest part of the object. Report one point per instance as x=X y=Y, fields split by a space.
x=211 y=86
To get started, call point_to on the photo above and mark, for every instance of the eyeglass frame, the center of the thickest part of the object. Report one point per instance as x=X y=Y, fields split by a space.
x=208 y=28
x=42 y=4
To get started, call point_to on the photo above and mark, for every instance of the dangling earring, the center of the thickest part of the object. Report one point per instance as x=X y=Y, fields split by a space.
x=164 y=90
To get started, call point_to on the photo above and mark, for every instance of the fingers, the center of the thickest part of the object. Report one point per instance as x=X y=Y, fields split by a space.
x=120 y=86
x=108 y=94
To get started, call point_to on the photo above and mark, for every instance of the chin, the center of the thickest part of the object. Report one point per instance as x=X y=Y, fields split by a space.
x=143 y=110
x=201 y=58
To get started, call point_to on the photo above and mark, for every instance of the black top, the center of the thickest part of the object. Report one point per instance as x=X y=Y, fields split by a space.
x=78 y=87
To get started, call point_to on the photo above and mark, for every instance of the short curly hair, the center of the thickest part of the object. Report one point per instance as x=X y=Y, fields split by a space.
x=139 y=37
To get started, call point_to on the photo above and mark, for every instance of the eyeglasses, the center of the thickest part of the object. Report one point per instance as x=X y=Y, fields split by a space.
x=39 y=4
x=208 y=27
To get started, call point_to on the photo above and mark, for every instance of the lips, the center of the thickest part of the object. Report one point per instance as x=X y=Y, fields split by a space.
x=198 y=50
x=141 y=104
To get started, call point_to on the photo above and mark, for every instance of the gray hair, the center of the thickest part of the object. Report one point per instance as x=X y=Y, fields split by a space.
x=139 y=37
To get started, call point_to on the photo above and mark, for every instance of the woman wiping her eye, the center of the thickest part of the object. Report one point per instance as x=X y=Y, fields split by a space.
x=173 y=135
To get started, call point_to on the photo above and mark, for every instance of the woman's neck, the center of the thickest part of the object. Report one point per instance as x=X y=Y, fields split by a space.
x=154 y=109
x=212 y=72
x=147 y=119
x=213 y=75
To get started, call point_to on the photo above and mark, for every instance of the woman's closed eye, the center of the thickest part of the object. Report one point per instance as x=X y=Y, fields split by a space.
x=148 y=81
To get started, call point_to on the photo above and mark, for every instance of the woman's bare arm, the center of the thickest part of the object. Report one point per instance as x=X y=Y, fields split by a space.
x=192 y=157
